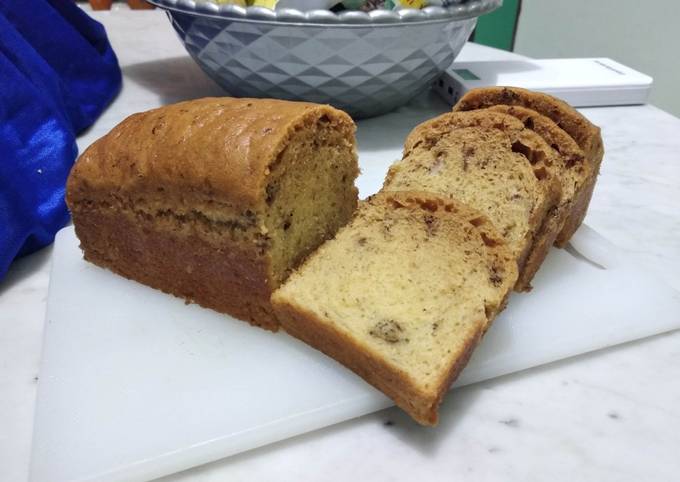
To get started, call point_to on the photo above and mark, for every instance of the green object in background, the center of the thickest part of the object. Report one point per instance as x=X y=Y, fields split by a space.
x=466 y=74
x=497 y=29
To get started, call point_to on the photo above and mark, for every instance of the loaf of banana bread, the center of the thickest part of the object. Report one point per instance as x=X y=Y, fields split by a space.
x=216 y=200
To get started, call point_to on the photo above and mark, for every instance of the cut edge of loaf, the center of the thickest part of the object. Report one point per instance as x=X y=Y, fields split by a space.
x=302 y=323
x=313 y=199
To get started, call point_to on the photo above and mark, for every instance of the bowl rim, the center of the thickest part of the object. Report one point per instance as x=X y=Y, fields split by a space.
x=458 y=10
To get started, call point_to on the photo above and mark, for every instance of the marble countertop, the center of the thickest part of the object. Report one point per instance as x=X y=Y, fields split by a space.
x=612 y=415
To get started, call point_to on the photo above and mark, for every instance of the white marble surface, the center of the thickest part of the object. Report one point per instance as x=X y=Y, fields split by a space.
x=613 y=415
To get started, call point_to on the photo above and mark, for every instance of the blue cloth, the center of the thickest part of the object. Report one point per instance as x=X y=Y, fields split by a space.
x=57 y=74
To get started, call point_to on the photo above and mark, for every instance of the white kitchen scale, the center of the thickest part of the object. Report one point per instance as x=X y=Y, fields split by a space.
x=585 y=82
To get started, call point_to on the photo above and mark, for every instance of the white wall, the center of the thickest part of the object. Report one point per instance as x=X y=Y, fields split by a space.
x=644 y=35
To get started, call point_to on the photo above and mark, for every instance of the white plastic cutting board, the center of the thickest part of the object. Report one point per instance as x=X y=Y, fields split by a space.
x=134 y=384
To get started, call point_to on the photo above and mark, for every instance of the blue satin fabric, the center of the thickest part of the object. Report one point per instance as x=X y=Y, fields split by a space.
x=57 y=74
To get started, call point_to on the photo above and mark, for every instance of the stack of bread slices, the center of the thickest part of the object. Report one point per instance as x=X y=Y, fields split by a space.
x=406 y=290
x=219 y=200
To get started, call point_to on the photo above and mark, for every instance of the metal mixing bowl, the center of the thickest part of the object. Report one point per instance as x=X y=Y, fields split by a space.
x=364 y=63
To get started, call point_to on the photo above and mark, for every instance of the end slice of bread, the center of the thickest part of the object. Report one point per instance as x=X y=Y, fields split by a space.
x=402 y=295
x=492 y=162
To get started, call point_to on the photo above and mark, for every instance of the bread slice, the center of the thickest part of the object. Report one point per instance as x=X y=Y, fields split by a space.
x=492 y=162
x=215 y=200
x=584 y=133
x=402 y=295
x=572 y=168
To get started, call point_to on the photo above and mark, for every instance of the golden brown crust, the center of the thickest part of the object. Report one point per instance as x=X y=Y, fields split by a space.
x=438 y=126
x=217 y=148
x=221 y=276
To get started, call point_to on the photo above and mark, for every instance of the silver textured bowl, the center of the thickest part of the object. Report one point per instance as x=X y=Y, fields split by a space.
x=364 y=63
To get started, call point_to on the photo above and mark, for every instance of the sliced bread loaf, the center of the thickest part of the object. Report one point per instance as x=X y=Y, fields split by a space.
x=584 y=133
x=490 y=161
x=402 y=295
